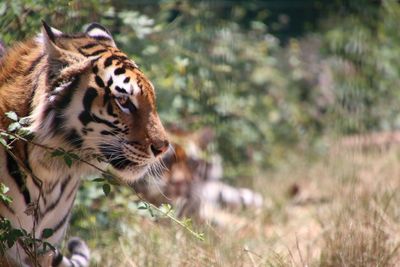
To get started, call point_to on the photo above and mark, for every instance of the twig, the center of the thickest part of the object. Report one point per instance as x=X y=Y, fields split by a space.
x=248 y=252
x=118 y=179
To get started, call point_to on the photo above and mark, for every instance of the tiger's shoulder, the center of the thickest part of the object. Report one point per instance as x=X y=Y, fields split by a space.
x=16 y=65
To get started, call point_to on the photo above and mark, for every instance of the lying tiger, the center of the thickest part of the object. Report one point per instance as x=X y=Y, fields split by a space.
x=192 y=183
x=83 y=95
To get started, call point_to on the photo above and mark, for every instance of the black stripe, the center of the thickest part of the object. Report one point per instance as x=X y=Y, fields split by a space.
x=57 y=259
x=121 y=90
x=89 y=97
x=106 y=122
x=106 y=97
x=28 y=166
x=83 y=52
x=119 y=71
x=99 y=81
x=65 y=96
x=73 y=138
x=110 y=82
x=17 y=175
x=89 y=45
x=111 y=58
x=98 y=52
x=52 y=187
x=86 y=130
x=62 y=188
x=65 y=183
x=85 y=117
x=63 y=99
x=105 y=133
x=110 y=110
x=101 y=38
x=34 y=64
x=73 y=244
x=117 y=161
x=95 y=69
x=63 y=220
x=74 y=188
x=44 y=200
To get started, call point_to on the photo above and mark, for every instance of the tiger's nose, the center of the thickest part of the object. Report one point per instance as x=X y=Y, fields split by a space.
x=159 y=147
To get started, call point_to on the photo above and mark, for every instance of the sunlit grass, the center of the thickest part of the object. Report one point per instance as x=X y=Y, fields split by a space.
x=339 y=209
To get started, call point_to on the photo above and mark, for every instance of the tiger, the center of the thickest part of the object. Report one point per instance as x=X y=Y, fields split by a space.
x=80 y=94
x=191 y=182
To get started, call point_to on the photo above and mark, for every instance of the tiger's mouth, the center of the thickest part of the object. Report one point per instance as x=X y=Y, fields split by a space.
x=126 y=162
x=116 y=157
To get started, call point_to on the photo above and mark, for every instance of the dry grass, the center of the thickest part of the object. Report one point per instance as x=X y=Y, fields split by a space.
x=341 y=209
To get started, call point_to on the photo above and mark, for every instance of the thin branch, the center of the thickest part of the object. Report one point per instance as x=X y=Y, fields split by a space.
x=117 y=178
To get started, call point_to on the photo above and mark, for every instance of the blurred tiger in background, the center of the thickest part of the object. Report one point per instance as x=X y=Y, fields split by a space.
x=191 y=180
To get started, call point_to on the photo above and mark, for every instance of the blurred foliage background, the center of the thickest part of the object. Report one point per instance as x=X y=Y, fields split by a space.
x=272 y=77
x=268 y=76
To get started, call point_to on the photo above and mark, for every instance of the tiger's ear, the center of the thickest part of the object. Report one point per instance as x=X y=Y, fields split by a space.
x=64 y=63
x=51 y=33
x=99 y=32
x=53 y=43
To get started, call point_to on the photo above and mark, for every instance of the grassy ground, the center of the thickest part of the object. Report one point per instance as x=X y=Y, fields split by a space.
x=341 y=209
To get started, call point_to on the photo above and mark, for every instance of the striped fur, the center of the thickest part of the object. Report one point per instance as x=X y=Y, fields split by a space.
x=81 y=94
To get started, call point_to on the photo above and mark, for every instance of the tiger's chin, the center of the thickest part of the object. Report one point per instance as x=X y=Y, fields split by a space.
x=132 y=173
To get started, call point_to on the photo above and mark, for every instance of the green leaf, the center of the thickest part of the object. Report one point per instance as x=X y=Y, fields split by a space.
x=108 y=176
x=57 y=153
x=165 y=208
x=10 y=242
x=73 y=156
x=6 y=199
x=143 y=206
x=68 y=160
x=110 y=179
x=3 y=188
x=47 y=233
x=151 y=212
x=16 y=233
x=98 y=180
x=12 y=115
x=24 y=121
x=14 y=126
x=4 y=143
x=106 y=189
x=24 y=132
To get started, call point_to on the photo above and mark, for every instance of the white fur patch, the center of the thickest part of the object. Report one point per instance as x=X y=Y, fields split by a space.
x=96 y=32
x=131 y=88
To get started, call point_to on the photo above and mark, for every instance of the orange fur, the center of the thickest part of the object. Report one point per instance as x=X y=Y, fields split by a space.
x=83 y=95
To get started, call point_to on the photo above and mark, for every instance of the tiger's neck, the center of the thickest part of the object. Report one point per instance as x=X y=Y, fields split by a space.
x=19 y=78
x=23 y=75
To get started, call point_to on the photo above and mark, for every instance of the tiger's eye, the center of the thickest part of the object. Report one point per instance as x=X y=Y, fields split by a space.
x=125 y=104
x=123 y=101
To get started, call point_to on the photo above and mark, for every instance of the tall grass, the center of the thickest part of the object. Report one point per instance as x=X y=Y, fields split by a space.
x=338 y=209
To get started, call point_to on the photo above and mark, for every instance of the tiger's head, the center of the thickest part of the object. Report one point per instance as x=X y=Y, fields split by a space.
x=98 y=102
